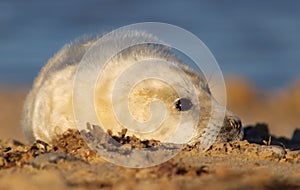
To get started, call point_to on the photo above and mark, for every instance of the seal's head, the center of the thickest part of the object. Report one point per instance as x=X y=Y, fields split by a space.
x=156 y=107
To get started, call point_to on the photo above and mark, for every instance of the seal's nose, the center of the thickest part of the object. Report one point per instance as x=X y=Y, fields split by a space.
x=235 y=123
x=232 y=129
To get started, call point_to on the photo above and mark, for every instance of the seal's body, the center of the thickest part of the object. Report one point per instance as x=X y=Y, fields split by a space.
x=48 y=109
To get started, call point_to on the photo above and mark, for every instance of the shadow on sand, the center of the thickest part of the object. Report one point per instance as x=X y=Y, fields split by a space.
x=259 y=134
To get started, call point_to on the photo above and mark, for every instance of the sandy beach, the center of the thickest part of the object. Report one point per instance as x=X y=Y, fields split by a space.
x=263 y=160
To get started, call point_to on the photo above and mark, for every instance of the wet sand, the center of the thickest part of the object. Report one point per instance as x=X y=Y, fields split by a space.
x=262 y=160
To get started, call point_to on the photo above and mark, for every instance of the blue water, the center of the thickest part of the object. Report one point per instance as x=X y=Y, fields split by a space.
x=257 y=39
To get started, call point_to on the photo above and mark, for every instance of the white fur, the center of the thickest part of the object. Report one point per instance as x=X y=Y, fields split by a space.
x=48 y=109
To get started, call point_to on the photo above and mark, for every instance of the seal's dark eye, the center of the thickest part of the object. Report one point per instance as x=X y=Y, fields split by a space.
x=183 y=104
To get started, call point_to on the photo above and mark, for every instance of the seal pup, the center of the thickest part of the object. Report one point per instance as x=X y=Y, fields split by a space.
x=48 y=108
